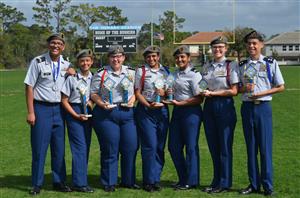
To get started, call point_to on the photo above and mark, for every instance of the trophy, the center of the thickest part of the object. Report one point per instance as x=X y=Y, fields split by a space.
x=249 y=75
x=125 y=83
x=109 y=85
x=169 y=85
x=203 y=85
x=159 y=84
x=82 y=87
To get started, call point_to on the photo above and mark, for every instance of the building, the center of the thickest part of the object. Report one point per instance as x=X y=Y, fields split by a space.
x=285 y=48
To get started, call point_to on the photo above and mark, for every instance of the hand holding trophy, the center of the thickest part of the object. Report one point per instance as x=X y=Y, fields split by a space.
x=159 y=84
x=170 y=89
x=249 y=75
x=82 y=91
x=203 y=85
x=109 y=85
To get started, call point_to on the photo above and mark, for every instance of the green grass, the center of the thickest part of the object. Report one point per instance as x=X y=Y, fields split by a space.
x=15 y=148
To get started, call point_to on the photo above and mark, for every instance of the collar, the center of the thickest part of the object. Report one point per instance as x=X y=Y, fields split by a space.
x=160 y=68
x=80 y=76
x=260 y=60
x=49 y=60
x=111 y=71
x=215 y=64
x=189 y=67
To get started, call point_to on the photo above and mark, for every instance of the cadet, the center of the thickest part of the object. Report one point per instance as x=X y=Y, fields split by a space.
x=75 y=97
x=44 y=80
x=152 y=117
x=113 y=120
x=261 y=77
x=186 y=121
x=219 y=116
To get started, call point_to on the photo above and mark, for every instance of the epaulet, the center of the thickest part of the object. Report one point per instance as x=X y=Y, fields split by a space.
x=194 y=70
x=243 y=62
x=131 y=68
x=228 y=61
x=269 y=59
x=101 y=69
x=141 y=66
x=92 y=73
x=40 y=59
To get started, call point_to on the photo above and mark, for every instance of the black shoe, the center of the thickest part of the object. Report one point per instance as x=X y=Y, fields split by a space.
x=248 y=190
x=157 y=187
x=61 y=187
x=134 y=186
x=175 y=185
x=85 y=189
x=207 y=189
x=185 y=187
x=269 y=193
x=219 y=190
x=109 y=188
x=149 y=187
x=35 y=190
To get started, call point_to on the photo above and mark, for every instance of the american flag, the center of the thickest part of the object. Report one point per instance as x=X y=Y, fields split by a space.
x=159 y=36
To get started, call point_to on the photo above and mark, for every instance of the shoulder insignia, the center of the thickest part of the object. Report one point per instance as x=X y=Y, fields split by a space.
x=40 y=59
x=100 y=69
x=242 y=63
x=194 y=70
x=228 y=61
x=269 y=59
x=131 y=68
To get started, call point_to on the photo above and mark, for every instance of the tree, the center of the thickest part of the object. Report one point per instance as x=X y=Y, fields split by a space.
x=113 y=16
x=46 y=9
x=9 y=16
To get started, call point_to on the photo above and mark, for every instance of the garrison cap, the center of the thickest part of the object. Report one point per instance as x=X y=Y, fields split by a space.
x=253 y=35
x=218 y=40
x=182 y=49
x=59 y=36
x=84 y=53
x=115 y=49
x=151 y=49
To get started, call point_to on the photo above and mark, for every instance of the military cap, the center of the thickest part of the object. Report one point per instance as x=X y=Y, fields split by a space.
x=115 y=49
x=59 y=36
x=84 y=53
x=151 y=49
x=253 y=35
x=182 y=49
x=218 y=40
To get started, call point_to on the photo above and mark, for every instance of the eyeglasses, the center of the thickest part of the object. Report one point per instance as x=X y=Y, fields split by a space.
x=218 y=47
x=151 y=56
x=53 y=43
x=116 y=56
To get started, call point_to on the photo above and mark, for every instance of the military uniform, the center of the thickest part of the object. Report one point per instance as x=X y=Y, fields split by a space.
x=257 y=119
x=115 y=128
x=185 y=125
x=153 y=124
x=219 y=119
x=46 y=78
x=79 y=131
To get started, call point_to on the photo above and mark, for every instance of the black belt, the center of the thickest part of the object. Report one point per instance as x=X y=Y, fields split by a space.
x=46 y=103
x=257 y=102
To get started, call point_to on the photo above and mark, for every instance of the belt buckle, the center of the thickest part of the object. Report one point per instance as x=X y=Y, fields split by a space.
x=256 y=102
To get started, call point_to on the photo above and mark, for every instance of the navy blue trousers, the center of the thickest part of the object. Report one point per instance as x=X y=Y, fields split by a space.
x=153 y=128
x=80 y=139
x=184 y=133
x=257 y=125
x=49 y=128
x=219 y=119
x=116 y=133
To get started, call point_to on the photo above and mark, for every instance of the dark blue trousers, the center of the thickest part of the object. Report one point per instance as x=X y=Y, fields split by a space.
x=49 y=128
x=153 y=128
x=219 y=119
x=116 y=133
x=184 y=132
x=80 y=139
x=257 y=125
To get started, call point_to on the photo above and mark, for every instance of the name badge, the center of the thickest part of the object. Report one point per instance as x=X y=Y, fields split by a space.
x=46 y=74
x=220 y=73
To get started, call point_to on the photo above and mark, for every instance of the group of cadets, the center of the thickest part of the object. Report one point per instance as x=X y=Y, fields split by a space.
x=57 y=94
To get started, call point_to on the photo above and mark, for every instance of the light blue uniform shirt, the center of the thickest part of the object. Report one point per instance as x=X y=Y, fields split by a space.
x=117 y=90
x=261 y=80
x=151 y=76
x=215 y=74
x=74 y=83
x=40 y=76
x=186 y=83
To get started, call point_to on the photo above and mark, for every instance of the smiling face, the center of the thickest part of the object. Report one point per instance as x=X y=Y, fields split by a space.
x=56 y=47
x=182 y=61
x=254 y=47
x=152 y=59
x=85 y=64
x=116 y=60
x=219 y=50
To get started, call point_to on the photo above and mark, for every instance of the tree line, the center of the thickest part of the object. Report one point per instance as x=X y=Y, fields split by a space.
x=20 y=43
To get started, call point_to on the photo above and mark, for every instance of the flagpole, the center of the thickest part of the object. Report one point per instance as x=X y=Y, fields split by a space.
x=151 y=23
x=161 y=57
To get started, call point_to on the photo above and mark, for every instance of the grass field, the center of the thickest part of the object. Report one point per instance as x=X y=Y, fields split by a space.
x=16 y=153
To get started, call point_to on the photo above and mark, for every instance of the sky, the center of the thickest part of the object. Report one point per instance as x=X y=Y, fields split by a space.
x=267 y=16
